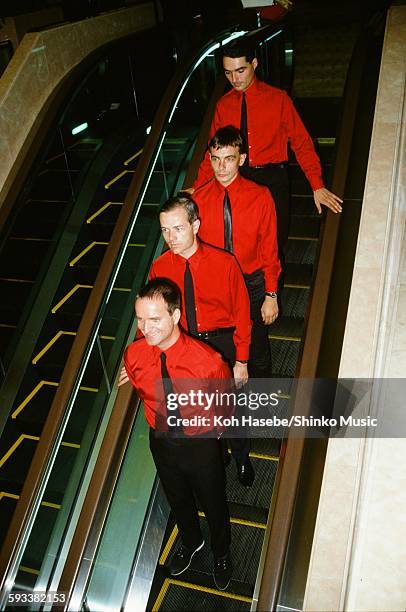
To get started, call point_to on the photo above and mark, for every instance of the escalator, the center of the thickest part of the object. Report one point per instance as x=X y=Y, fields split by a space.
x=51 y=247
x=110 y=530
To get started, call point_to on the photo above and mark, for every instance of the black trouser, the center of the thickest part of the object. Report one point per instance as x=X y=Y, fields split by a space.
x=188 y=467
x=224 y=344
x=275 y=177
x=259 y=365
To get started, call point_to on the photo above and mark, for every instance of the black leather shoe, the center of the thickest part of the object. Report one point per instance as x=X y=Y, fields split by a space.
x=182 y=559
x=223 y=569
x=245 y=472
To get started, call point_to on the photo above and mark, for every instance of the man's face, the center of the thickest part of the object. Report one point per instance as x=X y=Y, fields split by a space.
x=239 y=72
x=225 y=162
x=179 y=234
x=159 y=327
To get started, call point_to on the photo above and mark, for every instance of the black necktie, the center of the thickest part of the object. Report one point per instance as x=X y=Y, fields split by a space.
x=244 y=125
x=228 y=225
x=190 y=304
x=168 y=388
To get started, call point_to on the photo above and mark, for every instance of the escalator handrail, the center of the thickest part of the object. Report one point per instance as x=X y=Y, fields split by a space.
x=59 y=412
x=290 y=469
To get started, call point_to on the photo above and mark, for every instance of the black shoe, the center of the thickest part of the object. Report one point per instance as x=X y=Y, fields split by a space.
x=245 y=472
x=223 y=569
x=182 y=559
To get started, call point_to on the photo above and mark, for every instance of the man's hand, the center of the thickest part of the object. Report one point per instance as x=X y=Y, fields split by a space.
x=189 y=190
x=123 y=378
x=327 y=198
x=240 y=371
x=269 y=310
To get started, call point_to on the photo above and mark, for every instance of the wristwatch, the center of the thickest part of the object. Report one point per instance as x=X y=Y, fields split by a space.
x=271 y=294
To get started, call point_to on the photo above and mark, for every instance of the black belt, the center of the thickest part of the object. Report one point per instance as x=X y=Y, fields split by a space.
x=264 y=166
x=213 y=333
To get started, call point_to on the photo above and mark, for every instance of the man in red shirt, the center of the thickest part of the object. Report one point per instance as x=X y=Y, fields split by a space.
x=160 y=366
x=215 y=300
x=239 y=215
x=268 y=121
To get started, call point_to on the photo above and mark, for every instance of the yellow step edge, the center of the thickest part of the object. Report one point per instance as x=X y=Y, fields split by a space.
x=15 y=446
x=76 y=288
x=293 y=286
x=29 y=397
x=130 y=159
x=4 y=494
x=37 y=388
x=69 y=295
x=102 y=209
x=17 y=280
x=118 y=177
x=28 y=570
x=96 y=243
x=21 y=439
x=287 y=338
x=51 y=343
x=86 y=250
x=264 y=457
x=195 y=587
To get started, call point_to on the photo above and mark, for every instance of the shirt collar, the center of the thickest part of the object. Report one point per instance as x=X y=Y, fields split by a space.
x=232 y=188
x=195 y=258
x=173 y=352
x=253 y=90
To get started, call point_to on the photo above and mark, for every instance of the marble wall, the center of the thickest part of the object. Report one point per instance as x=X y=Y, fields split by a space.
x=40 y=62
x=358 y=560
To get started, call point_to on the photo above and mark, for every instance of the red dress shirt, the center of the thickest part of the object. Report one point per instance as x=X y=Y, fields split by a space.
x=220 y=293
x=253 y=225
x=191 y=364
x=272 y=121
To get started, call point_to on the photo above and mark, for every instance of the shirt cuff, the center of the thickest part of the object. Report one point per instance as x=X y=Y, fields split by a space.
x=242 y=352
x=316 y=182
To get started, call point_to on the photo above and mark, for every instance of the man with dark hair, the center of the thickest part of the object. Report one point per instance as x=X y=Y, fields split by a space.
x=187 y=454
x=268 y=121
x=239 y=216
x=216 y=305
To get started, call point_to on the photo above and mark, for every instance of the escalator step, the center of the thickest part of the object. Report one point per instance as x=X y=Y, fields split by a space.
x=304 y=228
x=294 y=302
x=286 y=328
x=298 y=275
x=22 y=259
x=284 y=357
x=298 y=182
x=13 y=296
x=259 y=495
x=177 y=595
x=38 y=219
x=301 y=253
x=52 y=184
x=303 y=206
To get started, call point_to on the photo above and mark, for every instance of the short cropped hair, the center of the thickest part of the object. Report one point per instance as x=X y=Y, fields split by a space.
x=239 y=48
x=182 y=200
x=228 y=136
x=164 y=288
